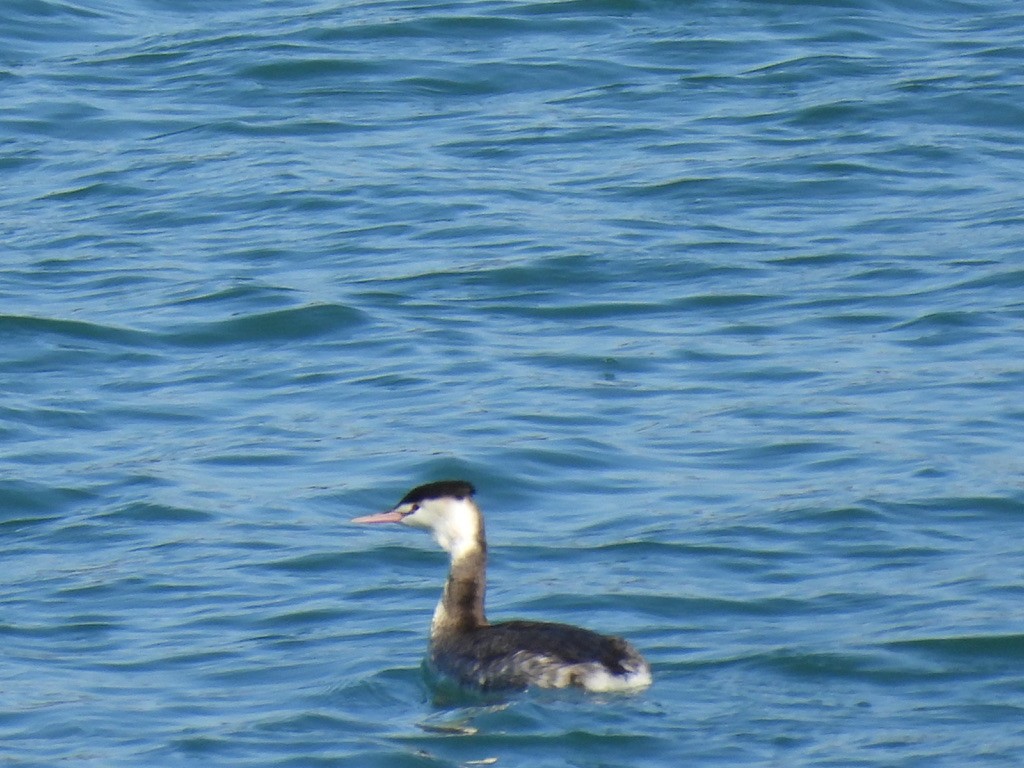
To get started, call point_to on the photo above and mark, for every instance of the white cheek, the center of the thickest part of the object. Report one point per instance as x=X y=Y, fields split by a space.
x=419 y=519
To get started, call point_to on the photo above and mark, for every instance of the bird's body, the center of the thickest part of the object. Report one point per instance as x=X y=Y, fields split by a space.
x=465 y=647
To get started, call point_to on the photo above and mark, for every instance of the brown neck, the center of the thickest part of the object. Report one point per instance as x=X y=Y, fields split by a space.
x=462 y=605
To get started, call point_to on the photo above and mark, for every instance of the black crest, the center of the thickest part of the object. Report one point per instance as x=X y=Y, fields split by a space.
x=458 y=489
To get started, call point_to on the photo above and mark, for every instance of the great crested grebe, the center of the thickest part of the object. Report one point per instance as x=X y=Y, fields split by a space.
x=512 y=654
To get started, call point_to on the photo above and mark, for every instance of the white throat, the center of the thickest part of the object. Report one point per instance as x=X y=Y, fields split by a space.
x=458 y=529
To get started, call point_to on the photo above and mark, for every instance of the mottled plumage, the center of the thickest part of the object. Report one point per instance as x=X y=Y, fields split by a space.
x=516 y=654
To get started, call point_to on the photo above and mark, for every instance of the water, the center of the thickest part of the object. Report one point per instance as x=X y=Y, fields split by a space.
x=718 y=304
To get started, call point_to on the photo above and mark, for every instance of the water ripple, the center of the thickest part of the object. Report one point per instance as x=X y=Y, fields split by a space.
x=719 y=307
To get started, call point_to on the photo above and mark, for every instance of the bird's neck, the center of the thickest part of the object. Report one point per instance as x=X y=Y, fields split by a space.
x=461 y=608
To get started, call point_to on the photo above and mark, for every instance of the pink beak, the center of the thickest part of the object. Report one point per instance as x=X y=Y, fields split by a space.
x=383 y=517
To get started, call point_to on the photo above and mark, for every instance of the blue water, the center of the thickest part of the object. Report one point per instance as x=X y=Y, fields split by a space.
x=719 y=304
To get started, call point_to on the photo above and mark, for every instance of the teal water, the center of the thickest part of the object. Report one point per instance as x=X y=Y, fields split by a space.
x=718 y=304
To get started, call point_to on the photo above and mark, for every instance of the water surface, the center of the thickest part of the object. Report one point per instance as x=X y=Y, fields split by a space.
x=718 y=304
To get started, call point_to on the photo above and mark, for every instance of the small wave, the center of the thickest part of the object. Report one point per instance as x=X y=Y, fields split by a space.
x=356 y=561
x=309 y=68
x=945 y=320
x=865 y=665
x=81 y=330
x=300 y=323
x=968 y=506
x=24 y=503
x=1007 y=647
x=144 y=512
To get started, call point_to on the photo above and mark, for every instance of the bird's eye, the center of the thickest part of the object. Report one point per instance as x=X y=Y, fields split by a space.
x=413 y=508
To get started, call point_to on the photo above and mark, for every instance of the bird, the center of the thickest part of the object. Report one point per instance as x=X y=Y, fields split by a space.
x=512 y=655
